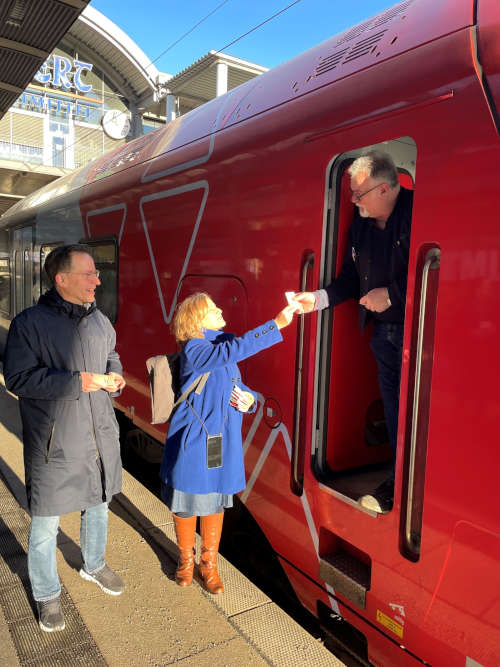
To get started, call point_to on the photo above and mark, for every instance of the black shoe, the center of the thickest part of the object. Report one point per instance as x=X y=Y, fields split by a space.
x=50 y=616
x=382 y=498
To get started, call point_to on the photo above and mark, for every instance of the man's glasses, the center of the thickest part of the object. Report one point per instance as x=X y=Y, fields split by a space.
x=88 y=274
x=357 y=197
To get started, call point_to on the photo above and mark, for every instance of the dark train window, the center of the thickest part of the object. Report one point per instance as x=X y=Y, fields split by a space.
x=105 y=254
x=5 y=285
x=45 y=283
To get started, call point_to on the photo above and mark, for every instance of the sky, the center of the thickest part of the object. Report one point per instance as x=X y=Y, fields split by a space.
x=155 y=25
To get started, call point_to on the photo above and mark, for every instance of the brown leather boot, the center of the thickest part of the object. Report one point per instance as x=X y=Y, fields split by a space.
x=211 y=529
x=185 y=531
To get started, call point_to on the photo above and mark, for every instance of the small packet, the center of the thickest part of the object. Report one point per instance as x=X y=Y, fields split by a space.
x=237 y=399
x=290 y=297
x=105 y=380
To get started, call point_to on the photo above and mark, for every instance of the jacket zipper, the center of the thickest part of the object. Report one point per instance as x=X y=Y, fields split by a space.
x=90 y=402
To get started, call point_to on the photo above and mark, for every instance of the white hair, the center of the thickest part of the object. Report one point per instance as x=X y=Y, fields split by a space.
x=377 y=165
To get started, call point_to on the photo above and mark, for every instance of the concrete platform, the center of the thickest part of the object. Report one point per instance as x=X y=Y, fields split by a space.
x=154 y=622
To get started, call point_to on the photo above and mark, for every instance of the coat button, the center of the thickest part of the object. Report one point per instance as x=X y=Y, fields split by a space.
x=256 y=335
x=264 y=331
x=271 y=326
x=366 y=277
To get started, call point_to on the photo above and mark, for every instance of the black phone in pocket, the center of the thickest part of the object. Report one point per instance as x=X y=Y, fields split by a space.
x=214 y=451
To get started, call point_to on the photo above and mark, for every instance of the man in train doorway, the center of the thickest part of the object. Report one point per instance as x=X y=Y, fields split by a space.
x=375 y=272
x=61 y=362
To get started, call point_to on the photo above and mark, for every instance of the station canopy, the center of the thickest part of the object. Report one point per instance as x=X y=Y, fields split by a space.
x=29 y=31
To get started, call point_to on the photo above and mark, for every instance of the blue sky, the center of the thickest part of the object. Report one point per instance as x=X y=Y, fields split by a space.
x=155 y=24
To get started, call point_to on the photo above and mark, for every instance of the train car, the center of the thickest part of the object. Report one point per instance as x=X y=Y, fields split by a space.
x=246 y=197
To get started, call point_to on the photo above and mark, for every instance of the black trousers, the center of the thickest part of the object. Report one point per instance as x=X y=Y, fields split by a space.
x=387 y=346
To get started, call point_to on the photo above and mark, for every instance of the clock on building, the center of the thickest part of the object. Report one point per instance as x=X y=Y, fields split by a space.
x=115 y=123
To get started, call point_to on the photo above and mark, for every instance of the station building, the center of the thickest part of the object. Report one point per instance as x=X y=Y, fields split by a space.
x=97 y=90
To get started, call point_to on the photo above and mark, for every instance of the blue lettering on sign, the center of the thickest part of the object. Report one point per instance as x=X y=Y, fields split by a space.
x=79 y=67
x=43 y=74
x=55 y=105
x=37 y=102
x=81 y=110
x=62 y=70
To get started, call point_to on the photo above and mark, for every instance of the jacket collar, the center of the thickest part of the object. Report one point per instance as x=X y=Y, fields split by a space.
x=53 y=299
x=401 y=202
x=211 y=334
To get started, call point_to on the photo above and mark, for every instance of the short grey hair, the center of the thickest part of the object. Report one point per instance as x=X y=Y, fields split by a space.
x=377 y=165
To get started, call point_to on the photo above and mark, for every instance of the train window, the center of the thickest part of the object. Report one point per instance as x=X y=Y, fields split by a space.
x=105 y=254
x=45 y=283
x=5 y=283
x=355 y=455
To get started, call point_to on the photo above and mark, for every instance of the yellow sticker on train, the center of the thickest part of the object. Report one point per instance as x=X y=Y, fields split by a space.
x=390 y=623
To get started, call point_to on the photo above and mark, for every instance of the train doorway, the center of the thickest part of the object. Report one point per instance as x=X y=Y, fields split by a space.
x=353 y=453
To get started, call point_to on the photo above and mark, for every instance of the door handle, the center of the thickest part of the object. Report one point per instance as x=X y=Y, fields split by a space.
x=432 y=262
x=297 y=461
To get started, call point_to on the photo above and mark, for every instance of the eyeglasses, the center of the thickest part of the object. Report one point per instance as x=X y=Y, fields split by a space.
x=357 y=197
x=88 y=274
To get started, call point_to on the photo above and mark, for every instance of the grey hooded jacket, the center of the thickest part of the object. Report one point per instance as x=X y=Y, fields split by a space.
x=71 y=444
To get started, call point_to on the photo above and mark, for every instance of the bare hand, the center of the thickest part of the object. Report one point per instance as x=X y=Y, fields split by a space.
x=306 y=300
x=89 y=382
x=241 y=400
x=284 y=318
x=118 y=380
x=376 y=300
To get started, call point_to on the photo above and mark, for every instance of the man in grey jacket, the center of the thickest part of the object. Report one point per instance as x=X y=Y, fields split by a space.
x=61 y=361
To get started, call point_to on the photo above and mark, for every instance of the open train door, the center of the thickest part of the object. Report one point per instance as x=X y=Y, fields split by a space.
x=351 y=454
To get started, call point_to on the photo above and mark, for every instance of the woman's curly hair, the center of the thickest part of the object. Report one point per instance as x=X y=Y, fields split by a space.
x=189 y=316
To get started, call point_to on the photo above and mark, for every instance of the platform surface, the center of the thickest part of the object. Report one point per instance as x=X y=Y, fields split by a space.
x=155 y=622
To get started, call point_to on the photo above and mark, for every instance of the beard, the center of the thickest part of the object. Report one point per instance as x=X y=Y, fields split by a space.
x=363 y=212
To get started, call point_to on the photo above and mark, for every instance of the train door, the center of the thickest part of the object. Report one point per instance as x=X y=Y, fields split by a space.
x=23 y=268
x=354 y=455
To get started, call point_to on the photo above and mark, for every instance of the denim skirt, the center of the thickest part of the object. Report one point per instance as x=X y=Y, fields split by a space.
x=197 y=504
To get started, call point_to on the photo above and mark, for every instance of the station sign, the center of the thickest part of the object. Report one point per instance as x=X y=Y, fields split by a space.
x=46 y=104
x=64 y=74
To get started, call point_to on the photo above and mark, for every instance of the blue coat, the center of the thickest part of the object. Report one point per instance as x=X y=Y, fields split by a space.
x=184 y=464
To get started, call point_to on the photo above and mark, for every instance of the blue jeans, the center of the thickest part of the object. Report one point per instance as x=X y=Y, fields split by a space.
x=42 y=566
x=387 y=346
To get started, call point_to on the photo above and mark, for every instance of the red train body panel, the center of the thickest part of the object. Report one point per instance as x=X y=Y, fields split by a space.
x=244 y=198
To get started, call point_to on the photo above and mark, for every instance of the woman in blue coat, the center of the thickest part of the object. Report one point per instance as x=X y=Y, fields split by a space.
x=202 y=463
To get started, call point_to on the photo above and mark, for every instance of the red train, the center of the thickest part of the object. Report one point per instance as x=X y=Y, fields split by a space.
x=245 y=197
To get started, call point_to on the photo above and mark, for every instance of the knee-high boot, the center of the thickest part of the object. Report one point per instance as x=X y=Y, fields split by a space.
x=185 y=532
x=211 y=529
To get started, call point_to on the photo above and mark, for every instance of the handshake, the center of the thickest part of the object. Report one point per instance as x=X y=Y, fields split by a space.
x=297 y=303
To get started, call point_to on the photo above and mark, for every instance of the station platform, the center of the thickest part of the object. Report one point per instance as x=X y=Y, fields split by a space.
x=154 y=622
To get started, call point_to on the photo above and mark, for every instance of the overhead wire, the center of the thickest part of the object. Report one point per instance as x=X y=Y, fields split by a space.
x=187 y=33
x=248 y=32
x=221 y=4
x=281 y=11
